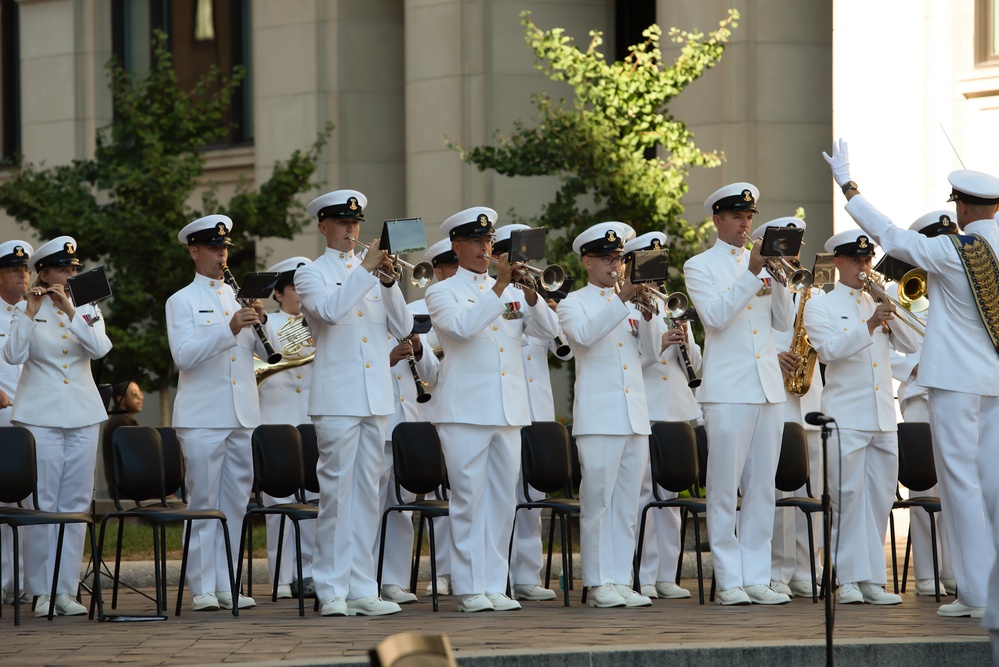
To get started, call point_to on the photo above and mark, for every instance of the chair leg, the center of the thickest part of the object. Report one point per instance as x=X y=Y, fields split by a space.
x=683 y=537
x=158 y=582
x=183 y=566
x=908 y=553
x=17 y=576
x=249 y=560
x=700 y=571
x=433 y=556
x=95 y=592
x=811 y=556
x=894 y=555
x=277 y=561
x=415 y=572
x=509 y=551
x=233 y=586
x=55 y=571
x=551 y=547
x=117 y=562
x=381 y=553
x=245 y=540
x=163 y=567
x=566 y=555
x=936 y=566
x=637 y=560
x=298 y=567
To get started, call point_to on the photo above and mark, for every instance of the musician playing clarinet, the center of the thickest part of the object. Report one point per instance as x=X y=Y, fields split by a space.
x=212 y=341
x=355 y=311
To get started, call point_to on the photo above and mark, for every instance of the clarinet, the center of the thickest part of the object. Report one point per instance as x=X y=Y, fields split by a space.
x=422 y=395
x=692 y=380
x=561 y=347
x=272 y=355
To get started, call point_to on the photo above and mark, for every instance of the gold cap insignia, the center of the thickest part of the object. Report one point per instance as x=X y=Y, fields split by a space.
x=656 y=244
x=862 y=242
x=747 y=195
x=611 y=236
x=945 y=220
x=483 y=220
x=352 y=203
x=18 y=251
x=69 y=248
x=221 y=230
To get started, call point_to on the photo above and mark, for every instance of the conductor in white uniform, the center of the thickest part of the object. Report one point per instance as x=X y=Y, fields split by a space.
x=742 y=395
x=355 y=310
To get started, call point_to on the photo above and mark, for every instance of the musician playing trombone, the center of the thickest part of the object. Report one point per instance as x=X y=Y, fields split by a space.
x=216 y=408
x=355 y=311
x=284 y=399
x=742 y=395
x=850 y=330
x=480 y=403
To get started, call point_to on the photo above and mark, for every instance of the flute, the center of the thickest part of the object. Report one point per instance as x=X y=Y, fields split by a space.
x=273 y=356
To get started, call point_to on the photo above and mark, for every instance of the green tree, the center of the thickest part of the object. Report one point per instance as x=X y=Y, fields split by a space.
x=617 y=152
x=126 y=204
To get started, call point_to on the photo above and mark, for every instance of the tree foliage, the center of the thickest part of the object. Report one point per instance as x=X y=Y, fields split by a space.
x=126 y=204
x=616 y=150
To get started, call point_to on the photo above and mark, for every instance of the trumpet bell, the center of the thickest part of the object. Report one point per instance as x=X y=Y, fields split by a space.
x=912 y=291
x=676 y=304
x=553 y=277
x=422 y=275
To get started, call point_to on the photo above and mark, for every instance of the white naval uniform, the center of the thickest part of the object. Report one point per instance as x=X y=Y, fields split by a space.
x=399 y=530
x=858 y=394
x=742 y=395
x=479 y=404
x=960 y=367
x=214 y=413
x=789 y=549
x=913 y=402
x=526 y=558
x=354 y=321
x=284 y=399
x=58 y=402
x=610 y=340
x=8 y=383
x=668 y=399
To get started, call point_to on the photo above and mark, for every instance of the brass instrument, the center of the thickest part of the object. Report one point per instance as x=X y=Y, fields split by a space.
x=420 y=275
x=799 y=381
x=874 y=285
x=551 y=277
x=294 y=336
x=273 y=356
x=262 y=370
x=789 y=273
x=912 y=291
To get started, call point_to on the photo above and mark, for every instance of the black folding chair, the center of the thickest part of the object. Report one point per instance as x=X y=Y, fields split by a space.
x=19 y=482
x=792 y=475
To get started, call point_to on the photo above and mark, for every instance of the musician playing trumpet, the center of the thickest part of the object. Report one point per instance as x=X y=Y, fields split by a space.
x=212 y=343
x=848 y=330
x=742 y=394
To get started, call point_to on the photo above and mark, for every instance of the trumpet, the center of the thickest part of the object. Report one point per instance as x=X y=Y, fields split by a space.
x=420 y=274
x=874 y=285
x=551 y=277
x=788 y=273
x=912 y=291
x=273 y=356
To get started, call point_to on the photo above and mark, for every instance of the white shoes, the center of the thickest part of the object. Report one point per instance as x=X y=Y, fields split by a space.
x=631 y=598
x=284 y=591
x=668 y=591
x=334 y=607
x=476 y=602
x=532 y=592
x=371 y=606
x=732 y=596
x=443 y=585
x=66 y=605
x=649 y=591
x=501 y=602
x=397 y=594
x=927 y=587
x=764 y=594
x=801 y=588
x=955 y=609
x=225 y=600
x=605 y=596
x=781 y=587
x=205 y=602
x=850 y=594
x=874 y=594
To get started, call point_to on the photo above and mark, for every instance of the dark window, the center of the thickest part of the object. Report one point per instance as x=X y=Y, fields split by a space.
x=986 y=32
x=631 y=17
x=201 y=33
x=10 y=81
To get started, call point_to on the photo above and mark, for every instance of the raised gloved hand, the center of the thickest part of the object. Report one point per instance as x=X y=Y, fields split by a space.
x=839 y=162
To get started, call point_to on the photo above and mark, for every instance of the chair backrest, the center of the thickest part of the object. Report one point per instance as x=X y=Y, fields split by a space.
x=310 y=456
x=277 y=461
x=18 y=474
x=544 y=453
x=173 y=462
x=417 y=458
x=673 y=454
x=915 y=456
x=413 y=649
x=138 y=465
x=792 y=467
x=702 y=455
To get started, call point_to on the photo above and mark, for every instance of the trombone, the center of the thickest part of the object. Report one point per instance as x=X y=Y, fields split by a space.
x=551 y=277
x=788 y=273
x=874 y=286
x=420 y=274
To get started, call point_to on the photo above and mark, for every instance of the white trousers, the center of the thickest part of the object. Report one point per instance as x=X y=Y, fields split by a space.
x=743 y=445
x=612 y=468
x=965 y=431
x=219 y=476
x=661 y=547
x=351 y=453
x=398 y=529
x=918 y=410
x=65 y=460
x=527 y=558
x=862 y=485
x=482 y=462
x=288 y=559
x=789 y=549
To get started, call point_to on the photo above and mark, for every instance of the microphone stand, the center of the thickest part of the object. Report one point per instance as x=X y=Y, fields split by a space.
x=827 y=542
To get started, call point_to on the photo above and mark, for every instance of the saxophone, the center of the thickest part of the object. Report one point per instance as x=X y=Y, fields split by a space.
x=798 y=382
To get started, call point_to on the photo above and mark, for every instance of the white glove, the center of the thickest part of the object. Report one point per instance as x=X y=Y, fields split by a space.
x=839 y=162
